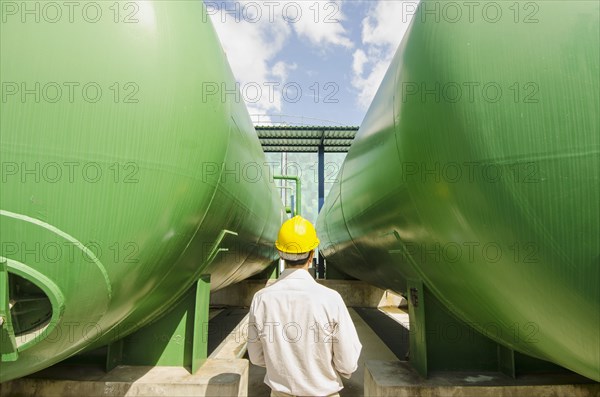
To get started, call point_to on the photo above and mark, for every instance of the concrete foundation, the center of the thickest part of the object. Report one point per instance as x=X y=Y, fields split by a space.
x=235 y=344
x=360 y=294
x=214 y=378
x=238 y=294
x=398 y=379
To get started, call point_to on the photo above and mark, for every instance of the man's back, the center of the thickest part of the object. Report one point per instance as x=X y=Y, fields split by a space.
x=302 y=332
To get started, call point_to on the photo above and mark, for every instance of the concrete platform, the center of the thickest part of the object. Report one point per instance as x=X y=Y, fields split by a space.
x=224 y=373
x=391 y=333
x=398 y=314
x=215 y=378
x=398 y=379
x=235 y=343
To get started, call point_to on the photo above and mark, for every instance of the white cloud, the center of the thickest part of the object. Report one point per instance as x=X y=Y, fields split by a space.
x=358 y=64
x=247 y=48
x=369 y=84
x=282 y=69
x=251 y=45
x=321 y=22
x=386 y=24
x=253 y=34
x=382 y=31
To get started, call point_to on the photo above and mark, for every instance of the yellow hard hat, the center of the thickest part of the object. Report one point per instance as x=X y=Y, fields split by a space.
x=297 y=236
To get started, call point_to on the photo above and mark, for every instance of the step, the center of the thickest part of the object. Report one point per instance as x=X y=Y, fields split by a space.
x=214 y=378
x=397 y=379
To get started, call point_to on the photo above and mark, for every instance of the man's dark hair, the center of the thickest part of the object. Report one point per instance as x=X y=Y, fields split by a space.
x=300 y=262
x=295 y=260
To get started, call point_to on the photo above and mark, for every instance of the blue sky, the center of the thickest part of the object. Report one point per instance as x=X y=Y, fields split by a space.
x=309 y=62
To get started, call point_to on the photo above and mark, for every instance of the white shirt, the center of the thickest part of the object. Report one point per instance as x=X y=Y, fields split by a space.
x=302 y=332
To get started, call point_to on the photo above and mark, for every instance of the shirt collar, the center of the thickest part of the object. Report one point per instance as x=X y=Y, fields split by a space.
x=296 y=274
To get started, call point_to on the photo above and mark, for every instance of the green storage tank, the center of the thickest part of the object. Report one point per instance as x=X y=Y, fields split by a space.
x=125 y=173
x=476 y=172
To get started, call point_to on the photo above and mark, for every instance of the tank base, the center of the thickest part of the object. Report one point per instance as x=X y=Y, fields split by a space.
x=214 y=378
x=398 y=379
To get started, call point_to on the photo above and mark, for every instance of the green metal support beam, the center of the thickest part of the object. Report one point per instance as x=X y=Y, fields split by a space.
x=200 y=335
x=180 y=338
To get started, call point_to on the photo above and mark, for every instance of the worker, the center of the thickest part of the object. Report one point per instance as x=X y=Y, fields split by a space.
x=298 y=329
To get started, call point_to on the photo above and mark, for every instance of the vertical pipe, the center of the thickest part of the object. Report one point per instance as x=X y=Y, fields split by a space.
x=321 y=181
x=298 y=196
x=321 y=165
x=292 y=203
x=321 y=172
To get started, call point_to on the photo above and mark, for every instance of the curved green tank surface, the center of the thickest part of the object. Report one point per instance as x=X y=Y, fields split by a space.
x=123 y=172
x=477 y=170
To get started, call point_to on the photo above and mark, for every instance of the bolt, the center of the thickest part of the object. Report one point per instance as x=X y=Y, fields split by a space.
x=1 y=321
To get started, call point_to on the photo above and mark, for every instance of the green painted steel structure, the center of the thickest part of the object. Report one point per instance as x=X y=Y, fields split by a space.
x=475 y=181
x=125 y=175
